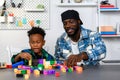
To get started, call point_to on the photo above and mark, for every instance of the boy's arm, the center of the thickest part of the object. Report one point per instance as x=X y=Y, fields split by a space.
x=13 y=60
x=20 y=56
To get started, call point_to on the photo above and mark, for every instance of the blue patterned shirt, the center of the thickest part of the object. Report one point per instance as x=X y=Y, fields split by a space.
x=89 y=42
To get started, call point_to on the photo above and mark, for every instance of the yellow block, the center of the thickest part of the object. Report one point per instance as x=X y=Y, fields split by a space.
x=30 y=62
x=36 y=72
x=26 y=76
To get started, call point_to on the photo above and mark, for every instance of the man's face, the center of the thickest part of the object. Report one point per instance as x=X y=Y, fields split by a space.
x=36 y=42
x=71 y=26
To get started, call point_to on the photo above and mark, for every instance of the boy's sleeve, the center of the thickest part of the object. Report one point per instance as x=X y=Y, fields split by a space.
x=51 y=58
x=13 y=58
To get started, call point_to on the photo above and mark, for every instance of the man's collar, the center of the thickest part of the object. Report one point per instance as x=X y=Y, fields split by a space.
x=83 y=34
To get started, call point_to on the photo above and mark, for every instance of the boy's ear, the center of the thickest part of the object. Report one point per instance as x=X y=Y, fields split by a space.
x=43 y=42
x=79 y=22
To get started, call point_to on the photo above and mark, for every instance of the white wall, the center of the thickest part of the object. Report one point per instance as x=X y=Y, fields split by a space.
x=19 y=38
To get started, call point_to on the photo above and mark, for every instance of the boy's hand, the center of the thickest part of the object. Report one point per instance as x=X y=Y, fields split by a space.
x=25 y=55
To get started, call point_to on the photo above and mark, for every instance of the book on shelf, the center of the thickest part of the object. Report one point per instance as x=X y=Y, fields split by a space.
x=106 y=29
x=108 y=33
x=109 y=8
x=105 y=6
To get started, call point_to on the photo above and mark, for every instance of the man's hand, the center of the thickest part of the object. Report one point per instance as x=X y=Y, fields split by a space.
x=73 y=59
x=23 y=55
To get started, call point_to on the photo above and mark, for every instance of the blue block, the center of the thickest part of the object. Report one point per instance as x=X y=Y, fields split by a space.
x=17 y=64
x=60 y=61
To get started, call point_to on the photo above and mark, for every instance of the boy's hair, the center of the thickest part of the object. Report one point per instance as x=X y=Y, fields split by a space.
x=36 y=30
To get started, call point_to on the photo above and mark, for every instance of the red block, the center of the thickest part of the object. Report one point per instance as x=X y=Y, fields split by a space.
x=57 y=74
x=9 y=66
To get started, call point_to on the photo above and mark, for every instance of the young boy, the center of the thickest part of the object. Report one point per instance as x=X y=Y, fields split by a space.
x=36 y=40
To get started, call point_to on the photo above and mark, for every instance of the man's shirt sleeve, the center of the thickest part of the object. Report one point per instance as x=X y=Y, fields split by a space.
x=97 y=49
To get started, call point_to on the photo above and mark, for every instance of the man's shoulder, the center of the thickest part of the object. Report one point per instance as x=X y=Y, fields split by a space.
x=89 y=31
x=86 y=33
x=62 y=37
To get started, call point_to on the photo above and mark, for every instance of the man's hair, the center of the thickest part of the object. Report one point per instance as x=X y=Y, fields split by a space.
x=36 y=30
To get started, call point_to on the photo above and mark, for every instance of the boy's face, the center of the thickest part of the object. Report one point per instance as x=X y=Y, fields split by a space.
x=36 y=42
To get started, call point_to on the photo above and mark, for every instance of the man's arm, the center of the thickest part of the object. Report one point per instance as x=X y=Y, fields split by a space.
x=57 y=50
x=94 y=52
x=97 y=49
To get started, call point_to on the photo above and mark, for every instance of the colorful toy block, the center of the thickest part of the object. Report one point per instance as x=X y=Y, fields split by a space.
x=17 y=64
x=19 y=75
x=44 y=67
x=26 y=76
x=57 y=74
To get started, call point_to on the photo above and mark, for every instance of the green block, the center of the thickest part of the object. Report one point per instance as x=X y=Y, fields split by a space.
x=52 y=62
x=40 y=66
x=69 y=70
x=23 y=71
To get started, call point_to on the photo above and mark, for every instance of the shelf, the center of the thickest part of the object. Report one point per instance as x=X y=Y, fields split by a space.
x=77 y=4
x=34 y=10
x=15 y=28
x=109 y=10
x=110 y=35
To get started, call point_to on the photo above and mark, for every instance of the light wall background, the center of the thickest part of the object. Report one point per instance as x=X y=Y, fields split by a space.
x=19 y=39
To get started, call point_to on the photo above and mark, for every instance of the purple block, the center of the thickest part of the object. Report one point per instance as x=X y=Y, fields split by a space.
x=25 y=67
x=49 y=72
x=53 y=71
x=40 y=61
x=45 y=72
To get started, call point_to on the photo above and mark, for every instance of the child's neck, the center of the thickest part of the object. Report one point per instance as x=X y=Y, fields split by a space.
x=39 y=53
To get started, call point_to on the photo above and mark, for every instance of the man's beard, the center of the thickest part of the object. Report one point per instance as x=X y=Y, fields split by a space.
x=75 y=32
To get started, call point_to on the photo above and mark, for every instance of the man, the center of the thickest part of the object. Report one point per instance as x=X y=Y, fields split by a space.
x=77 y=43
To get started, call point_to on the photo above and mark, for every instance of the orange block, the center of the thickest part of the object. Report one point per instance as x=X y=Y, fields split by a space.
x=79 y=69
x=18 y=72
x=49 y=67
x=28 y=71
x=20 y=66
x=36 y=72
